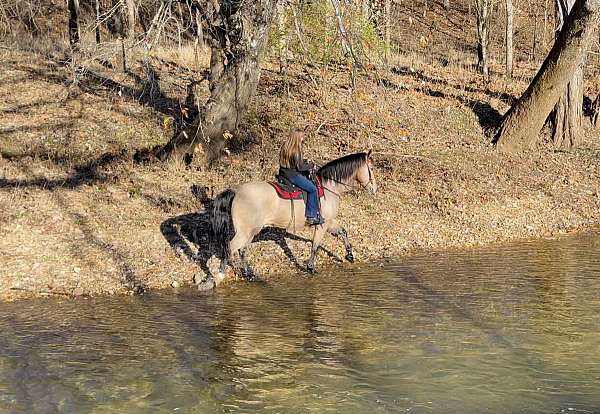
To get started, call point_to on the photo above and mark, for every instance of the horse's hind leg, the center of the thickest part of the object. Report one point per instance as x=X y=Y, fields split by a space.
x=316 y=243
x=340 y=232
x=247 y=271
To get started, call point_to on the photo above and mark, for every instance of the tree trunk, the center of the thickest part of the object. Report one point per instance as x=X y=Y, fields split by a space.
x=595 y=111
x=535 y=38
x=345 y=39
x=566 y=119
x=199 y=41
x=567 y=116
x=523 y=122
x=74 y=24
x=544 y=37
x=122 y=57
x=509 y=39
x=238 y=37
x=97 y=8
x=388 y=11
x=131 y=18
x=282 y=37
x=483 y=22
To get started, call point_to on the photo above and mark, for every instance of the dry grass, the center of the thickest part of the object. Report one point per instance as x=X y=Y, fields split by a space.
x=81 y=216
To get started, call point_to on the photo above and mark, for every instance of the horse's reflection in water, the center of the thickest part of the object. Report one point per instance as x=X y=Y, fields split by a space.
x=246 y=209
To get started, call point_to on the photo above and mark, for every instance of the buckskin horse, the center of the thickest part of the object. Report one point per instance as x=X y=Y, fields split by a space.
x=246 y=209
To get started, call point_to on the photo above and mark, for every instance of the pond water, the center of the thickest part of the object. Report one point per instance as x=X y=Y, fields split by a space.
x=504 y=330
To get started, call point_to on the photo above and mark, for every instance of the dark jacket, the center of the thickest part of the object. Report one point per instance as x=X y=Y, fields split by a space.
x=299 y=166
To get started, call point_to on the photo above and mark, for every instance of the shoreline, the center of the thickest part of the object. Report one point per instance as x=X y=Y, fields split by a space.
x=82 y=217
x=331 y=267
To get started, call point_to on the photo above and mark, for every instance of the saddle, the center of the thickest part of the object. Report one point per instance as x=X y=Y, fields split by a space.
x=289 y=191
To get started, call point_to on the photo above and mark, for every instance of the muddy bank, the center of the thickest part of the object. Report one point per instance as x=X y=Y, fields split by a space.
x=81 y=216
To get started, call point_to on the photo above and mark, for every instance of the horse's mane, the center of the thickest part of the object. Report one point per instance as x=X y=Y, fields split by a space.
x=342 y=168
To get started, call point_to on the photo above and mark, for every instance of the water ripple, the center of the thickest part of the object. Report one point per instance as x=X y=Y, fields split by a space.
x=507 y=329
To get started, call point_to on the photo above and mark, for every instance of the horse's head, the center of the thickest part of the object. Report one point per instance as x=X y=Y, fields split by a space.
x=350 y=171
x=364 y=175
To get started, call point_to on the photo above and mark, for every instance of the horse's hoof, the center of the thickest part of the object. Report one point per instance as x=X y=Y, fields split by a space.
x=257 y=280
x=206 y=285
x=253 y=278
x=350 y=257
x=250 y=276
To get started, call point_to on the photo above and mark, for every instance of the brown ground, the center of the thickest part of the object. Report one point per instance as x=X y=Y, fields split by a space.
x=80 y=216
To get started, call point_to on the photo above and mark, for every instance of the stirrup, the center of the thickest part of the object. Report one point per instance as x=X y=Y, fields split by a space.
x=315 y=221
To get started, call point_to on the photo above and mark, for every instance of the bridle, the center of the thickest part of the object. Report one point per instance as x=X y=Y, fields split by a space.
x=348 y=186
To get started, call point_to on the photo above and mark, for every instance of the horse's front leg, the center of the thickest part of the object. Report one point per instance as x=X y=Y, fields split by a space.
x=316 y=243
x=340 y=232
x=247 y=271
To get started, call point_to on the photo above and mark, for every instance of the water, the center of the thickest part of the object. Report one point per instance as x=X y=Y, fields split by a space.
x=504 y=330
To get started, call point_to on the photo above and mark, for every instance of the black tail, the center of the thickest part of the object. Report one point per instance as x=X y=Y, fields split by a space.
x=221 y=224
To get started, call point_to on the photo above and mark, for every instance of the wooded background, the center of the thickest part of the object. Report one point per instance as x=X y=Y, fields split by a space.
x=495 y=38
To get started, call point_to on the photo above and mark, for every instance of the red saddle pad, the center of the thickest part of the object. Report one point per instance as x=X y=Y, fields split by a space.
x=296 y=194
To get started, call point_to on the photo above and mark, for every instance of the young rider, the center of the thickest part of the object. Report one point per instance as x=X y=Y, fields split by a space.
x=295 y=168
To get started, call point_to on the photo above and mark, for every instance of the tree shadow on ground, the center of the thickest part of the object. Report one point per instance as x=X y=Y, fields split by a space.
x=418 y=74
x=488 y=117
x=83 y=174
x=147 y=90
x=188 y=232
x=27 y=107
x=91 y=237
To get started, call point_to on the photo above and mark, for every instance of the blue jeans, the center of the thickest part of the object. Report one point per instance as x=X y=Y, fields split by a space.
x=312 y=196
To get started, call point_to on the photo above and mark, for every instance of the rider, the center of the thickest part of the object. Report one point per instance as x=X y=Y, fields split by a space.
x=295 y=168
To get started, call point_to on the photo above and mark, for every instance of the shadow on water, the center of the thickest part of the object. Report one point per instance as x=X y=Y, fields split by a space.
x=438 y=300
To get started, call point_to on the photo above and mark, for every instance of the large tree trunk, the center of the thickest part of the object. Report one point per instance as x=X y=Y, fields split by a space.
x=482 y=9
x=238 y=36
x=566 y=119
x=509 y=39
x=74 y=36
x=523 y=122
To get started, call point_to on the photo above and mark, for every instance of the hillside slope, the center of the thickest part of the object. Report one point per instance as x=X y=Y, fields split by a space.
x=81 y=216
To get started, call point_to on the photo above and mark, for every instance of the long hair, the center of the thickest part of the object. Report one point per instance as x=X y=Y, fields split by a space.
x=221 y=223
x=342 y=168
x=291 y=150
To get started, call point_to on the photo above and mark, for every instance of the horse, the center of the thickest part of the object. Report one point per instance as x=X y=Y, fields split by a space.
x=246 y=209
